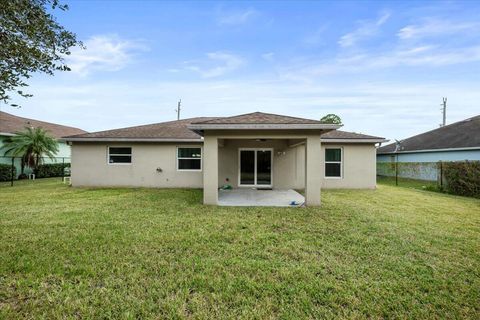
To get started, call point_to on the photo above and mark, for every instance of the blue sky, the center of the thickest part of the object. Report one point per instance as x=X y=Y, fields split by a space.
x=382 y=66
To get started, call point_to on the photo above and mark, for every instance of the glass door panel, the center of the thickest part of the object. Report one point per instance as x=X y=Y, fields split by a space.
x=264 y=167
x=247 y=167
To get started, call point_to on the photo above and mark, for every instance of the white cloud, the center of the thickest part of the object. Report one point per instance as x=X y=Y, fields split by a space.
x=436 y=27
x=236 y=17
x=103 y=53
x=317 y=37
x=367 y=29
x=394 y=109
x=218 y=64
x=268 y=56
x=421 y=56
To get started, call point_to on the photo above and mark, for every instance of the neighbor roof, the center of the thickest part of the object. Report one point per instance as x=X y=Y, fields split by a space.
x=179 y=131
x=10 y=124
x=458 y=135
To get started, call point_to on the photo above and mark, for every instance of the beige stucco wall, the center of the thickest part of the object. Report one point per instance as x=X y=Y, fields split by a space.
x=90 y=167
x=359 y=169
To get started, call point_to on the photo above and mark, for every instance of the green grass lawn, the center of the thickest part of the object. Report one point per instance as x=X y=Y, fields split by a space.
x=146 y=253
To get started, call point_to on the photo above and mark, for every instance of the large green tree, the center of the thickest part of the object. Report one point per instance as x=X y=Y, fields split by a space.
x=31 y=145
x=332 y=119
x=31 y=40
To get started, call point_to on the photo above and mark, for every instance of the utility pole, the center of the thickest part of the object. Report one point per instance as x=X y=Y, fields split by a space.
x=444 y=112
x=178 y=109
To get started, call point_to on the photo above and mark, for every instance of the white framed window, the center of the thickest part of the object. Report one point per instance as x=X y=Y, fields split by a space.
x=119 y=155
x=189 y=158
x=333 y=163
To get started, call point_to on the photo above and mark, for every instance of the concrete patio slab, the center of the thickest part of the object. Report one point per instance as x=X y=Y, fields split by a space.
x=250 y=197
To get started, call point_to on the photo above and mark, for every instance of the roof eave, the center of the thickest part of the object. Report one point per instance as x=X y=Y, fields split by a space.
x=79 y=139
x=8 y=134
x=354 y=140
x=428 y=150
x=263 y=126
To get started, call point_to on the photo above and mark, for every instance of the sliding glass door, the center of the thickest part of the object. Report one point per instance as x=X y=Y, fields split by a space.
x=255 y=167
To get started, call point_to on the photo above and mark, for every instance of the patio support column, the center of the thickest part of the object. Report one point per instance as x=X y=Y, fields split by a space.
x=313 y=172
x=210 y=170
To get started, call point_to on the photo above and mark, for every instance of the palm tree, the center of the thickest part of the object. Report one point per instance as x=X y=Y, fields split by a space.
x=31 y=145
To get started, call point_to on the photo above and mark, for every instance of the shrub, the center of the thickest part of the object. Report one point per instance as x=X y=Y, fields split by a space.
x=462 y=178
x=22 y=176
x=6 y=172
x=51 y=170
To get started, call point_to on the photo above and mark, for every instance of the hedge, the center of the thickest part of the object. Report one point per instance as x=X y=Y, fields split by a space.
x=51 y=170
x=462 y=178
x=6 y=172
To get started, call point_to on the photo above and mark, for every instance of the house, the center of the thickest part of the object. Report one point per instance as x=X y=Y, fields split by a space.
x=11 y=124
x=255 y=150
x=458 y=141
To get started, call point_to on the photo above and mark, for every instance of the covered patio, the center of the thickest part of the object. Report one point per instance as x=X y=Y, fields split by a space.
x=250 y=197
x=252 y=151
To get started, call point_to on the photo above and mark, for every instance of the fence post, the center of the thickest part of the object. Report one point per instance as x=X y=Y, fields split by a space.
x=441 y=175
x=12 y=172
x=63 y=168
x=396 y=171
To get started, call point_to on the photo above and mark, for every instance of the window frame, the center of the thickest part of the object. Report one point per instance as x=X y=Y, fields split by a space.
x=189 y=158
x=116 y=154
x=337 y=162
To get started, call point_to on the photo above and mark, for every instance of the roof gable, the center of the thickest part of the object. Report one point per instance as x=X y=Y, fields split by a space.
x=462 y=134
x=258 y=118
x=12 y=124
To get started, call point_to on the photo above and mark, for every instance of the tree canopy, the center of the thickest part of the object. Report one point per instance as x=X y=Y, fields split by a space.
x=31 y=40
x=331 y=118
x=31 y=145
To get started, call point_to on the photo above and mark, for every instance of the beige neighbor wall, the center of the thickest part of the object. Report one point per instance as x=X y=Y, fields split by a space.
x=90 y=166
x=359 y=169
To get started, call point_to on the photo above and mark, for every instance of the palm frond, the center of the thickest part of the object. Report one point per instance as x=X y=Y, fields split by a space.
x=31 y=144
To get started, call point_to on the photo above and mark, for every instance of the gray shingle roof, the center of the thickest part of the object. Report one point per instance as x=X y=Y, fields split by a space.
x=12 y=124
x=173 y=130
x=258 y=118
x=164 y=130
x=338 y=134
x=462 y=134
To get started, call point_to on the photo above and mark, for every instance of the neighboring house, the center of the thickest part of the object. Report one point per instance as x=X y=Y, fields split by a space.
x=420 y=154
x=256 y=150
x=10 y=124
